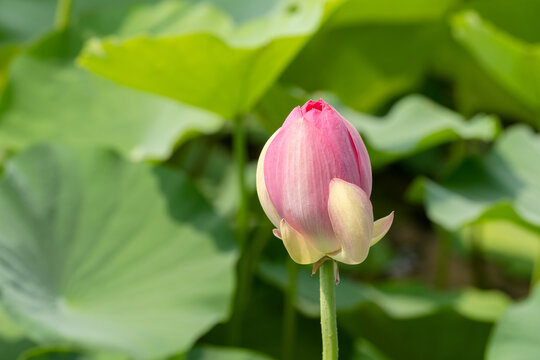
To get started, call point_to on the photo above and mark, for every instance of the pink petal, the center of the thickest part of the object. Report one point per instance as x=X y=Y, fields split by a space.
x=295 y=114
x=364 y=164
x=324 y=116
x=299 y=165
x=352 y=218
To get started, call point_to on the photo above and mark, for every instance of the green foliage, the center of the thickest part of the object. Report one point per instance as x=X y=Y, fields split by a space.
x=94 y=111
x=73 y=218
x=512 y=62
x=380 y=314
x=416 y=124
x=119 y=189
x=503 y=184
x=196 y=67
x=515 y=336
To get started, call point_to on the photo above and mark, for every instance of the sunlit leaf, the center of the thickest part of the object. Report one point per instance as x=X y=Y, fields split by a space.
x=517 y=257
x=223 y=353
x=199 y=56
x=389 y=11
x=502 y=185
x=516 y=335
x=414 y=124
x=55 y=353
x=204 y=352
x=98 y=252
x=359 y=63
x=52 y=100
x=516 y=17
x=512 y=62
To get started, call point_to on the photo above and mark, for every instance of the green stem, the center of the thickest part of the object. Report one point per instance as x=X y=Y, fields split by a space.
x=535 y=278
x=328 y=311
x=443 y=258
x=244 y=268
x=63 y=11
x=289 y=315
x=239 y=149
x=477 y=257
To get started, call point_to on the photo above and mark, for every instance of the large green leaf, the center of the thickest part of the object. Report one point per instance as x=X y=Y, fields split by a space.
x=516 y=257
x=405 y=321
x=364 y=350
x=204 y=352
x=198 y=55
x=52 y=100
x=389 y=11
x=502 y=185
x=512 y=62
x=95 y=16
x=516 y=334
x=56 y=353
x=12 y=339
x=15 y=15
x=359 y=64
x=400 y=301
x=414 y=124
x=102 y=253
x=516 y=17
x=223 y=353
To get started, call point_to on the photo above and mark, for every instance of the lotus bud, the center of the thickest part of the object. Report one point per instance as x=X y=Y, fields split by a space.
x=314 y=184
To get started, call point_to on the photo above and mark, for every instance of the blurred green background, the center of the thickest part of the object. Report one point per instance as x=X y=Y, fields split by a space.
x=129 y=135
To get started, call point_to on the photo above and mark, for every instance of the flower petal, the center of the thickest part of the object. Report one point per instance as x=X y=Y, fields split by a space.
x=295 y=114
x=298 y=166
x=262 y=192
x=352 y=219
x=381 y=227
x=299 y=248
x=364 y=164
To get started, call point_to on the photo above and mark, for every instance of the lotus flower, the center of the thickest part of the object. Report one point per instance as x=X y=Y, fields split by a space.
x=314 y=184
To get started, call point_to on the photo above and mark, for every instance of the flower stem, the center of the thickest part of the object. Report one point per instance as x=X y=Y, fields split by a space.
x=289 y=316
x=328 y=311
x=63 y=11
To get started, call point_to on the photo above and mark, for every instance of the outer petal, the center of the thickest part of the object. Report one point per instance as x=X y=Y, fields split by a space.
x=299 y=248
x=262 y=192
x=346 y=137
x=364 y=164
x=298 y=166
x=381 y=227
x=295 y=114
x=351 y=214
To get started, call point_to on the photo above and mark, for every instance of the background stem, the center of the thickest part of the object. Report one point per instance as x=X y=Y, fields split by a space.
x=289 y=316
x=328 y=311
x=536 y=272
x=63 y=12
x=239 y=148
x=477 y=257
x=243 y=268
x=444 y=255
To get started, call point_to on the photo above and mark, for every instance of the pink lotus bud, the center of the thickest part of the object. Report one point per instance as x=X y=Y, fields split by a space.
x=314 y=183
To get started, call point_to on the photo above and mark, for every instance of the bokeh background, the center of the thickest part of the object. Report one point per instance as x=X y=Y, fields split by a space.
x=129 y=135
